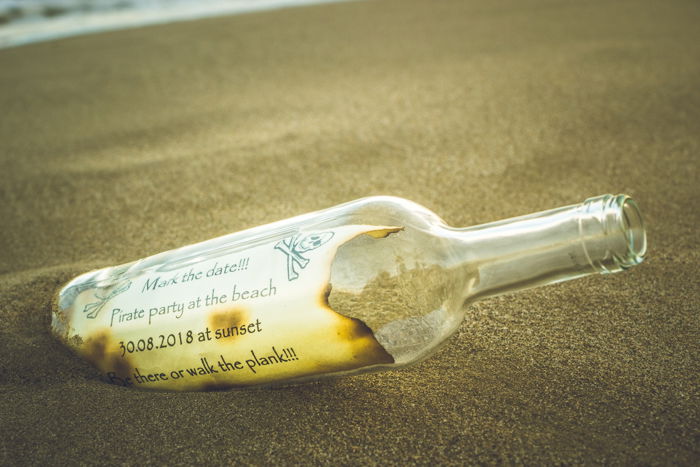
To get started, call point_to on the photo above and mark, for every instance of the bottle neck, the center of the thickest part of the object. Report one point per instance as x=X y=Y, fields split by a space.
x=604 y=234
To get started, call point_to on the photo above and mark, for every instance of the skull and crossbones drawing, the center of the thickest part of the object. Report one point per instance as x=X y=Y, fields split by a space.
x=294 y=246
x=94 y=308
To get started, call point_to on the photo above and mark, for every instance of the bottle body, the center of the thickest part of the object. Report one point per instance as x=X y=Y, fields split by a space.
x=376 y=283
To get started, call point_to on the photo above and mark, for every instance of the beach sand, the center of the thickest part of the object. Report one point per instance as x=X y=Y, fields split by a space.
x=120 y=145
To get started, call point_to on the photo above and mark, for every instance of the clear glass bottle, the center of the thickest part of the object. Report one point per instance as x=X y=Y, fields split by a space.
x=377 y=283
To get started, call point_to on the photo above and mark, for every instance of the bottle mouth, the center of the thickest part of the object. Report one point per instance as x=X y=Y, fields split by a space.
x=613 y=233
x=632 y=226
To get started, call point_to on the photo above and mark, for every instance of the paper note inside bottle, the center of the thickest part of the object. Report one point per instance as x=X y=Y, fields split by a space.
x=252 y=316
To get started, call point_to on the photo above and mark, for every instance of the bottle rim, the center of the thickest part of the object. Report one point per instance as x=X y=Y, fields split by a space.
x=632 y=225
x=621 y=224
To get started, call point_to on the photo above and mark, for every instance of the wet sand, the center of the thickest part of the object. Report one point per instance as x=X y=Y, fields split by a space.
x=120 y=145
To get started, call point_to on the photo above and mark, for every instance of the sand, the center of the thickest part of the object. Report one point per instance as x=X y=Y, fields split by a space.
x=119 y=145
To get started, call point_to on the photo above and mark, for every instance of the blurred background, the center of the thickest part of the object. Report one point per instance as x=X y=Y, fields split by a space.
x=26 y=21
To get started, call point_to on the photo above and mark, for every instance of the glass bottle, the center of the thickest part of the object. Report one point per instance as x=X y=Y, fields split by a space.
x=377 y=283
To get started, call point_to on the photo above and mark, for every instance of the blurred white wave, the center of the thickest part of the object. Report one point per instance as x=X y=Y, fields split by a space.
x=26 y=21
